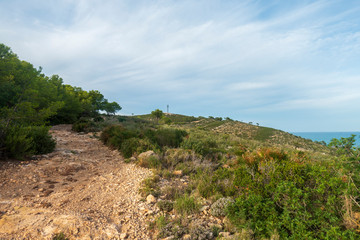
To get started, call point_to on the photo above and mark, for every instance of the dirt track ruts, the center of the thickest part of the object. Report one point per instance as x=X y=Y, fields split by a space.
x=82 y=189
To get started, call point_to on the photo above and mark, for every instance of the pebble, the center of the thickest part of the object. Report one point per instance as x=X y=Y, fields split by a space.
x=150 y=199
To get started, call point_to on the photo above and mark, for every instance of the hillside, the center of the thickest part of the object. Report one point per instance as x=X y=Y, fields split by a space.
x=179 y=177
x=259 y=134
x=223 y=178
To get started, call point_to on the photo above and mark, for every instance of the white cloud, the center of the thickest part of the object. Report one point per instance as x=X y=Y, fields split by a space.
x=242 y=55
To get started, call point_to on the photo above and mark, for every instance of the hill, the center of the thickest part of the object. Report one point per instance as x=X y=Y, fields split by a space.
x=264 y=136
x=225 y=178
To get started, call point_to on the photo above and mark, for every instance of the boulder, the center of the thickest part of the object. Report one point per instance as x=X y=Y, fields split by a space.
x=145 y=159
x=150 y=199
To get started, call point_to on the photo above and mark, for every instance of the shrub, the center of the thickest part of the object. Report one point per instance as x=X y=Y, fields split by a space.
x=17 y=143
x=135 y=145
x=150 y=162
x=166 y=137
x=161 y=222
x=172 y=230
x=186 y=205
x=42 y=141
x=149 y=186
x=218 y=208
x=219 y=182
x=295 y=199
x=175 y=157
x=166 y=120
x=165 y=205
x=173 y=192
x=202 y=145
x=20 y=142
x=129 y=146
x=84 y=125
x=200 y=230
x=129 y=141
x=115 y=135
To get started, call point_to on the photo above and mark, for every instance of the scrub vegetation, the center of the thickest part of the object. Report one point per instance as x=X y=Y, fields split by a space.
x=30 y=102
x=265 y=183
x=211 y=175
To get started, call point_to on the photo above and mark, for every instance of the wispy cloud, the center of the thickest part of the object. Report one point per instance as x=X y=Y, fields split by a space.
x=224 y=58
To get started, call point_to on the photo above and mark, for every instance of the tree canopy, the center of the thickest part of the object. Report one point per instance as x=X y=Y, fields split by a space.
x=158 y=114
x=28 y=98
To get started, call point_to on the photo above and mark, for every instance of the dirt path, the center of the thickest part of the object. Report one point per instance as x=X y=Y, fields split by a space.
x=83 y=189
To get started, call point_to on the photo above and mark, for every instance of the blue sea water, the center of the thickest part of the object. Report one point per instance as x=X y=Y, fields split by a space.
x=327 y=136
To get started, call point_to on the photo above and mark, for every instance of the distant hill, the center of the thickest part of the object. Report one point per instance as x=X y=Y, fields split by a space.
x=259 y=134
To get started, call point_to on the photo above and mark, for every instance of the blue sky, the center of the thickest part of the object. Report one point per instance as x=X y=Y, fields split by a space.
x=291 y=65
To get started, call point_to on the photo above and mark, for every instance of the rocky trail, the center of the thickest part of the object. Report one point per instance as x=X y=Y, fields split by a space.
x=83 y=189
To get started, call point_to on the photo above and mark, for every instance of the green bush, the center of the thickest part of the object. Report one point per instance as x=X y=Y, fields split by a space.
x=98 y=119
x=135 y=145
x=165 y=205
x=218 y=208
x=20 y=142
x=115 y=135
x=218 y=182
x=17 y=143
x=166 y=137
x=42 y=141
x=296 y=199
x=173 y=192
x=150 y=162
x=84 y=125
x=186 y=205
x=129 y=141
x=201 y=145
x=150 y=186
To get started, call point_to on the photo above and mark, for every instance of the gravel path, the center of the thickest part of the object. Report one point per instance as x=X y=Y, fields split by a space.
x=83 y=189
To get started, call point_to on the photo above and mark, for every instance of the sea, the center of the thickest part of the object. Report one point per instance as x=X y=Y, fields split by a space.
x=327 y=136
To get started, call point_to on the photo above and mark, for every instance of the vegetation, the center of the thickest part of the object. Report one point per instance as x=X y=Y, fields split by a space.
x=31 y=101
x=263 y=183
x=258 y=182
x=157 y=114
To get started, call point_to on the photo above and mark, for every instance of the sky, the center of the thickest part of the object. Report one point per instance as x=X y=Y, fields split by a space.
x=291 y=65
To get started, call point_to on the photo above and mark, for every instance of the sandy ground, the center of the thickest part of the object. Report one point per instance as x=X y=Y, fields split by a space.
x=82 y=189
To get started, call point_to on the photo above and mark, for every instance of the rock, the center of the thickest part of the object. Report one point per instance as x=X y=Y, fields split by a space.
x=169 y=238
x=178 y=172
x=186 y=237
x=146 y=154
x=123 y=236
x=112 y=231
x=214 y=225
x=224 y=234
x=150 y=199
x=204 y=208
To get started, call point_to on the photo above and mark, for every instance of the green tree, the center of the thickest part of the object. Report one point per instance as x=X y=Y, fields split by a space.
x=29 y=101
x=111 y=107
x=345 y=146
x=157 y=114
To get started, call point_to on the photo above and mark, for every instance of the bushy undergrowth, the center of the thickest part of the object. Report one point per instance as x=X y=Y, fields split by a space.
x=203 y=145
x=84 y=125
x=20 y=141
x=130 y=141
x=261 y=191
x=297 y=199
x=186 y=205
x=215 y=183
